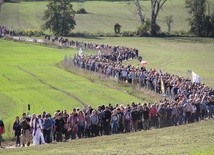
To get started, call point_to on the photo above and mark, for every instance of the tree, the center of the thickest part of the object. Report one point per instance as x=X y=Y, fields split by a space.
x=156 y=6
x=145 y=29
x=169 y=21
x=139 y=11
x=1 y=2
x=197 y=12
x=117 y=28
x=209 y=25
x=59 y=17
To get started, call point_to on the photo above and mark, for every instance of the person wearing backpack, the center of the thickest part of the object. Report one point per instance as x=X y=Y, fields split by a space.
x=1 y=131
x=26 y=129
x=94 y=123
x=127 y=119
x=135 y=116
x=47 y=126
x=59 y=125
x=120 y=122
x=106 y=121
x=146 y=117
x=114 y=122
x=17 y=131
x=81 y=124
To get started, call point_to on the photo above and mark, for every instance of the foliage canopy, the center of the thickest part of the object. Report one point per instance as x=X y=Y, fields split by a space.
x=59 y=17
x=201 y=24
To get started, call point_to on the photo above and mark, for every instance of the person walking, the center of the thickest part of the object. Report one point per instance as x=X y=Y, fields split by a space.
x=17 y=131
x=127 y=119
x=114 y=122
x=1 y=131
x=36 y=125
x=25 y=126
x=47 y=126
x=81 y=124
x=59 y=125
x=188 y=110
x=162 y=115
x=135 y=117
x=94 y=123
x=146 y=117
x=106 y=121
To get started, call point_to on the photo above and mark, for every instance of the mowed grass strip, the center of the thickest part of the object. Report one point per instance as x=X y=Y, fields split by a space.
x=101 y=17
x=30 y=75
x=194 y=138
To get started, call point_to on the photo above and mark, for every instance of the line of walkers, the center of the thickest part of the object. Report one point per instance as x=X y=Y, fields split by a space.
x=106 y=120
x=189 y=101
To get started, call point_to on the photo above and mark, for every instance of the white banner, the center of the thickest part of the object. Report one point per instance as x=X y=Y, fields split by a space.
x=80 y=52
x=195 y=78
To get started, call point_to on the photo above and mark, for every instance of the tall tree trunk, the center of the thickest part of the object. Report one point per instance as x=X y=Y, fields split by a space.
x=156 y=6
x=139 y=11
x=1 y=2
x=153 y=18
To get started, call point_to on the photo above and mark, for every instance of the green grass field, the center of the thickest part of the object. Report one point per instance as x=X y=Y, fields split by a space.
x=195 y=139
x=101 y=15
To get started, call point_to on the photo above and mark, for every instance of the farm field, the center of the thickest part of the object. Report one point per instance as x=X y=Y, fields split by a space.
x=28 y=15
x=193 y=139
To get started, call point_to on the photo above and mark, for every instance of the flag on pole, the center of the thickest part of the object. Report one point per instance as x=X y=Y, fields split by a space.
x=195 y=78
x=162 y=86
x=80 y=52
x=143 y=63
x=118 y=57
x=99 y=53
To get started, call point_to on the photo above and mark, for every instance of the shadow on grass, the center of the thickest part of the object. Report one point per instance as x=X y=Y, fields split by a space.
x=189 y=39
x=85 y=35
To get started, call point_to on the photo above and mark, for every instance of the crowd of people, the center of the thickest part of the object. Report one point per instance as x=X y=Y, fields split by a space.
x=185 y=102
x=108 y=120
x=5 y=32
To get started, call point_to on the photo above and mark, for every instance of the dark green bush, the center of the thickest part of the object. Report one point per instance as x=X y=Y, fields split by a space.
x=81 y=11
x=31 y=32
x=145 y=29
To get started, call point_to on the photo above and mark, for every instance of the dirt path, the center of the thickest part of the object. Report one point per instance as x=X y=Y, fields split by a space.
x=53 y=87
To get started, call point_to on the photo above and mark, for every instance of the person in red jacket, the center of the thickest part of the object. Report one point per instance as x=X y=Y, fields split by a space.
x=1 y=130
x=153 y=116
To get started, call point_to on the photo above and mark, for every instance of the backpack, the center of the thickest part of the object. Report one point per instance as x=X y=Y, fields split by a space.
x=127 y=116
x=48 y=123
x=24 y=125
x=1 y=130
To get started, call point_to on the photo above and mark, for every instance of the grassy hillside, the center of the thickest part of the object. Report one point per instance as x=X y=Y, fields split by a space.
x=30 y=75
x=186 y=139
x=101 y=17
